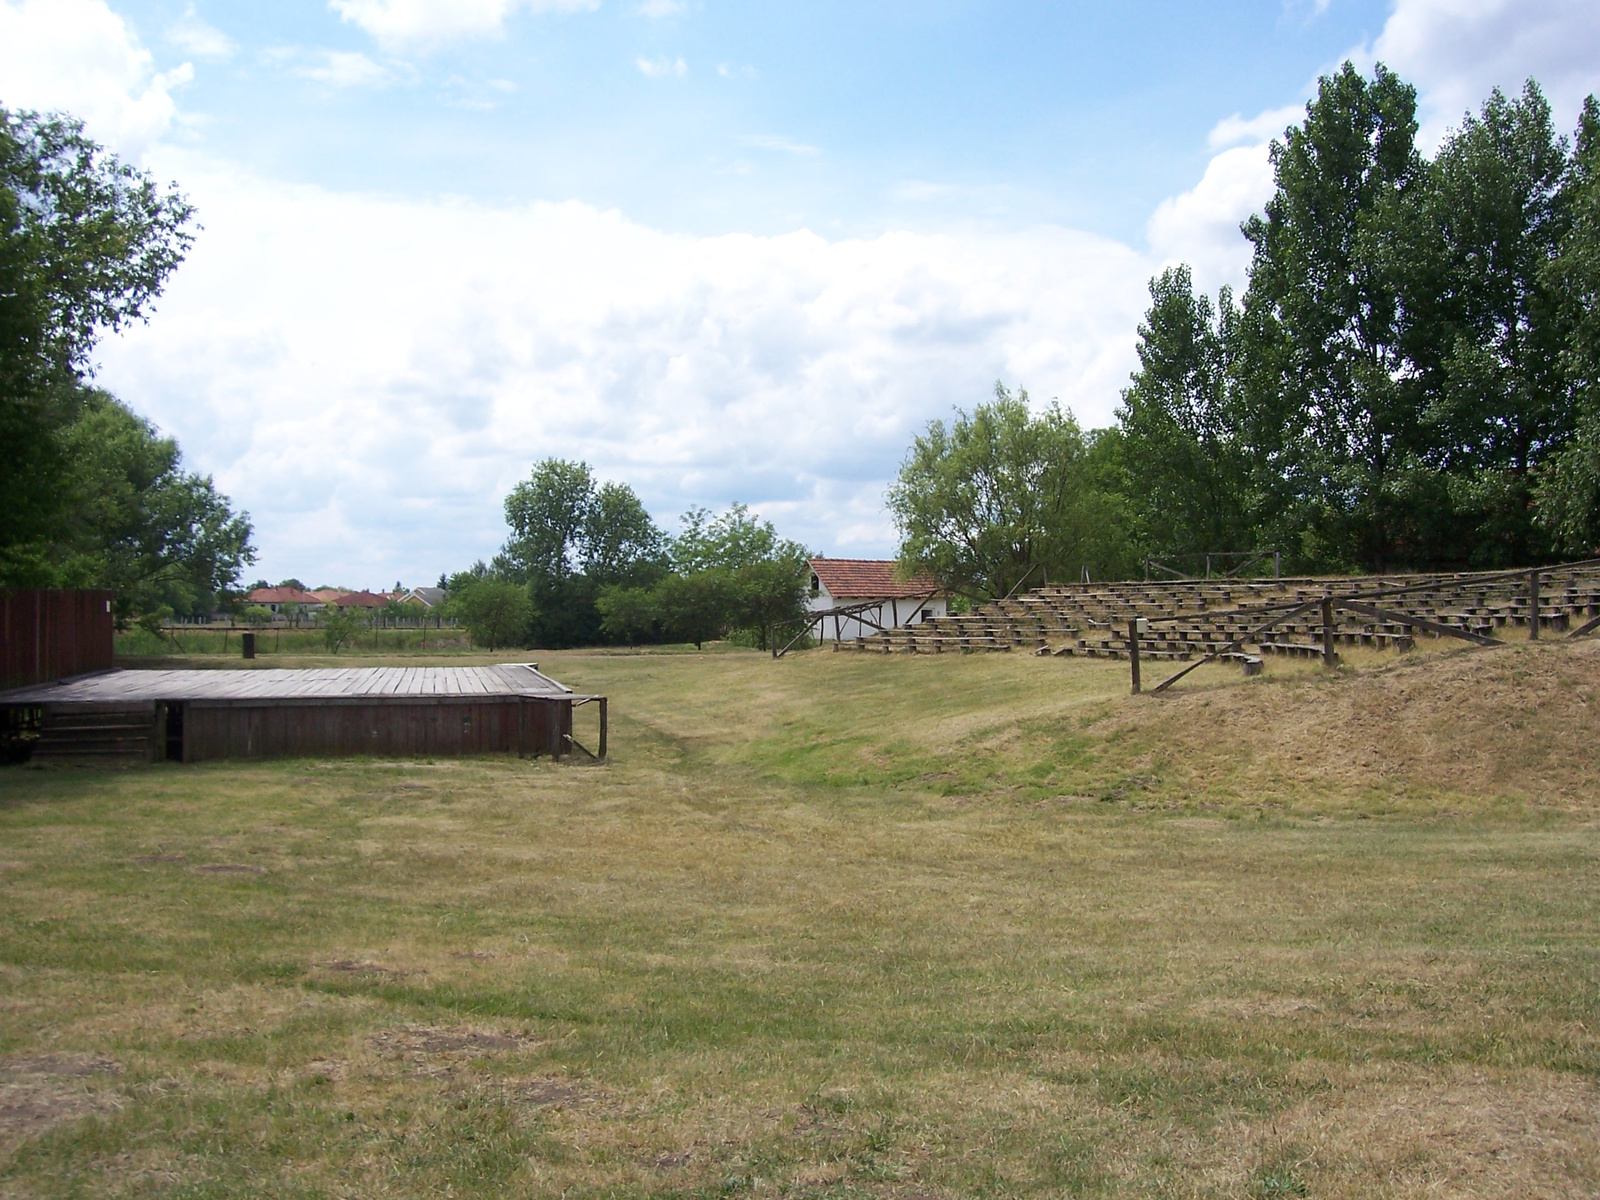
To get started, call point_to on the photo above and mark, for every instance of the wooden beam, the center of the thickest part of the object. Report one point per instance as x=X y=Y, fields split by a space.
x=1240 y=641
x=1384 y=614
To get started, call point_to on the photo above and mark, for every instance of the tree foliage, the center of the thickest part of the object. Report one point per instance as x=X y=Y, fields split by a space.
x=983 y=501
x=1405 y=383
x=94 y=497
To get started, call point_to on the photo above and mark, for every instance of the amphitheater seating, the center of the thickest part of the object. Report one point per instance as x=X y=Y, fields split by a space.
x=1188 y=619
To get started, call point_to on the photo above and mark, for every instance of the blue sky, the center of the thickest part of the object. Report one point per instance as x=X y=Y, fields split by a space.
x=722 y=252
x=843 y=118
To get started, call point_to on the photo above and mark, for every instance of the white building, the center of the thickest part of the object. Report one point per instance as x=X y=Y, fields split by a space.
x=855 y=582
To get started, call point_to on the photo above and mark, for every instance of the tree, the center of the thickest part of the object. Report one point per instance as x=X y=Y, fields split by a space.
x=496 y=612
x=1493 y=220
x=621 y=544
x=1567 y=492
x=1327 y=327
x=694 y=608
x=569 y=539
x=1001 y=491
x=1186 y=451
x=547 y=513
x=86 y=243
x=340 y=625
x=629 y=614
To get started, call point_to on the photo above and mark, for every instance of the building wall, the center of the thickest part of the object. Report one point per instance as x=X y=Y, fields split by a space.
x=46 y=635
x=528 y=727
x=910 y=613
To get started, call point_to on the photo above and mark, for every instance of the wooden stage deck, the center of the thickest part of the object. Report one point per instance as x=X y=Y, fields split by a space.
x=264 y=685
x=264 y=713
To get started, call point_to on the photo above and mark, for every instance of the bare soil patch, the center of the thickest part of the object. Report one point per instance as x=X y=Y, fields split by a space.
x=41 y=1092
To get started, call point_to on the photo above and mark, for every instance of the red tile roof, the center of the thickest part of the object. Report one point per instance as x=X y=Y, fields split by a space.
x=868 y=579
x=281 y=595
x=359 y=600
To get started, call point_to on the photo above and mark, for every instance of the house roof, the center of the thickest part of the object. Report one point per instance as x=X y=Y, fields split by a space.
x=431 y=596
x=326 y=594
x=359 y=600
x=869 y=579
x=281 y=595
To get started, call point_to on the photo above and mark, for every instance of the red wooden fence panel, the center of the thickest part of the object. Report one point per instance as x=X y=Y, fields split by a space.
x=54 y=634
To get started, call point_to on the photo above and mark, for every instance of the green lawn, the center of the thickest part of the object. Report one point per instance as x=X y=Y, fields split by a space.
x=835 y=926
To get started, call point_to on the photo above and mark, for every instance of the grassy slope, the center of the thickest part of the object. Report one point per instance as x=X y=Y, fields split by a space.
x=837 y=927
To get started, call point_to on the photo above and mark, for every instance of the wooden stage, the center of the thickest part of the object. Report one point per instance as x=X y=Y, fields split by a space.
x=194 y=715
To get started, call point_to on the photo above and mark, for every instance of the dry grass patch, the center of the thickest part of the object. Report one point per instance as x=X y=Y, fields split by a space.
x=823 y=930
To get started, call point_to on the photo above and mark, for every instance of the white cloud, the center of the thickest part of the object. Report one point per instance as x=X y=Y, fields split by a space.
x=194 y=36
x=407 y=24
x=658 y=9
x=344 y=68
x=661 y=68
x=1456 y=51
x=1230 y=131
x=80 y=57
x=768 y=141
x=394 y=366
x=1201 y=226
x=730 y=72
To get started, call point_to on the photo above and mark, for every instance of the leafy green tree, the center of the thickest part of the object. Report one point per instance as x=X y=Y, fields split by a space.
x=760 y=576
x=569 y=539
x=629 y=614
x=621 y=544
x=1567 y=493
x=1186 y=448
x=1494 y=219
x=695 y=607
x=496 y=612
x=1327 y=330
x=1001 y=491
x=340 y=626
x=86 y=243
x=138 y=523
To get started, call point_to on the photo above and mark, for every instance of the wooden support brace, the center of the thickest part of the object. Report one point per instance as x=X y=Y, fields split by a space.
x=1383 y=614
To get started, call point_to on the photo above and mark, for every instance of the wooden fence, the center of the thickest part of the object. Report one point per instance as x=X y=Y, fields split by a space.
x=47 y=635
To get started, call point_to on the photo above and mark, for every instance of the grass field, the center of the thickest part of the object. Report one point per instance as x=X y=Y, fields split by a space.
x=838 y=927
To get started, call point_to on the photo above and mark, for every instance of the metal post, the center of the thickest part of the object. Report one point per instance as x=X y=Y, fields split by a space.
x=1133 y=652
x=1533 y=605
x=1329 y=658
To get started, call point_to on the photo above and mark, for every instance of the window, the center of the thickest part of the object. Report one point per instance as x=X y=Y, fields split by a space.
x=816 y=584
x=927 y=614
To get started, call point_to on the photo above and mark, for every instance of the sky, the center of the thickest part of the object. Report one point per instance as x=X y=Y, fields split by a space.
x=721 y=252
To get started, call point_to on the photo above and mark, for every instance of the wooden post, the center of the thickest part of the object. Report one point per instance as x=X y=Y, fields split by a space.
x=1133 y=652
x=1329 y=658
x=1277 y=564
x=605 y=723
x=1533 y=605
x=249 y=640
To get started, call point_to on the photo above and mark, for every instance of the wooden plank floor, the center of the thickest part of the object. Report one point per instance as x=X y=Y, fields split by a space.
x=327 y=683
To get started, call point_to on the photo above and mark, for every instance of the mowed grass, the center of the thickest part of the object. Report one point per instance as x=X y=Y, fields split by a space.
x=838 y=927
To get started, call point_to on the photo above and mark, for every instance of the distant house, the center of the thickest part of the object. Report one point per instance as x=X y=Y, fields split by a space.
x=360 y=600
x=852 y=582
x=281 y=599
x=328 y=595
x=428 y=597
